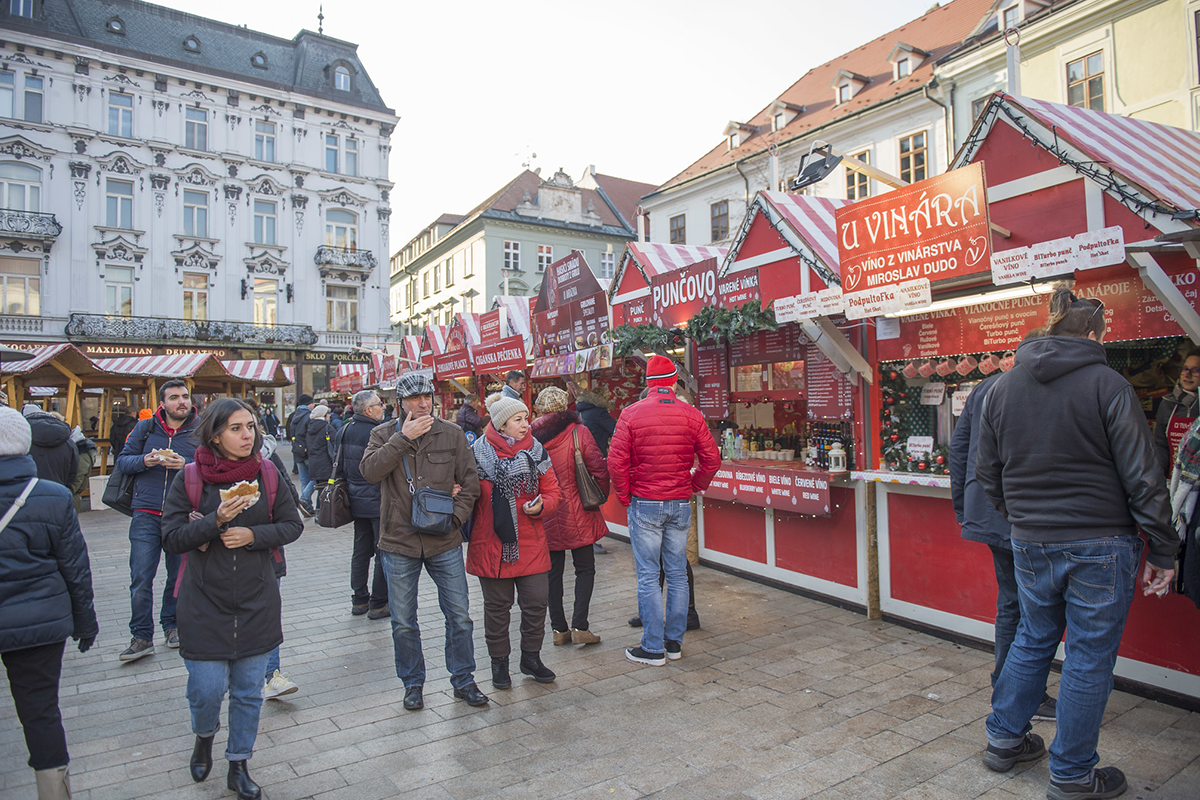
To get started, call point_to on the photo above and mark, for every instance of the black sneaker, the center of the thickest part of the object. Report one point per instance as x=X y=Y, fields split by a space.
x=1106 y=782
x=413 y=699
x=674 y=650
x=138 y=648
x=1002 y=759
x=639 y=656
x=172 y=637
x=635 y=622
x=1047 y=711
x=358 y=609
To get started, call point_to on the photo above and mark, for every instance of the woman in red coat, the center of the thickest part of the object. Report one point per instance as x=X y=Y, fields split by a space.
x=572 y=527
x=508 y=548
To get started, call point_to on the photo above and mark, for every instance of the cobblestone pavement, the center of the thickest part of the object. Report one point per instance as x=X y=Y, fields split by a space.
x=777 y=696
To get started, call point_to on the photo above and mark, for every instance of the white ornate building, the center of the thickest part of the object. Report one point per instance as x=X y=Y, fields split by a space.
x=169 y=182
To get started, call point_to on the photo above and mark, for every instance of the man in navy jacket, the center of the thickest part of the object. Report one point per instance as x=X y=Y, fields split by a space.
x=155 y=452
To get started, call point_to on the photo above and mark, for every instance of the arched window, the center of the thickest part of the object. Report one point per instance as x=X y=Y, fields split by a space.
x=341 y=79
x=20 y=187
x=341 y=229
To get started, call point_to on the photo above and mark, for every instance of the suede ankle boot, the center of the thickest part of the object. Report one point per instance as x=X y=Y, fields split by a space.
x=500 y=677
x=531 y=665
x=239 y=781
x=201 y=763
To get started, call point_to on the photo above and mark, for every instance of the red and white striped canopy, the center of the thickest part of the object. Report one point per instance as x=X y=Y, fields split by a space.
x=811 y=218
x=470 y=325
x=290 y=372
x=260 y=371
x=353 y=369
x=656 y=259
x=519 y=320
x=177 y=366
x=41 y=356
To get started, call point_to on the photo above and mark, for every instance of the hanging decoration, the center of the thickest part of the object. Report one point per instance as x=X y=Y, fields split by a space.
x=711 y=324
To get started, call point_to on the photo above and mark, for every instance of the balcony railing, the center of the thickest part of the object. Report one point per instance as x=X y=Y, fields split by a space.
x=20 y=325
x=159 y=331
x=344 y=258
x=31 y=224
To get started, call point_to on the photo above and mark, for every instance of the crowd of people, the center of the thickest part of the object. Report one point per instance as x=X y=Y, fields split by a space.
x=1053 y=467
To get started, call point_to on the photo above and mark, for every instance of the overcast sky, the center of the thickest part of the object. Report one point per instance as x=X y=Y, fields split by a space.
x=640 y=88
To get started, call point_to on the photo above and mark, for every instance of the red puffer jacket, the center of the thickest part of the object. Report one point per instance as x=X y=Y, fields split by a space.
x=657 y=442
x=483 y=551
x=572 y=525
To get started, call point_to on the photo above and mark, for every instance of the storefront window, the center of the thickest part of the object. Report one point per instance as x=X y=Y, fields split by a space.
x=195 y=296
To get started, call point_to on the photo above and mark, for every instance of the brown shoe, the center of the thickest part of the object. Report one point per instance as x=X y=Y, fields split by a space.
x=584 y=637
x=562 y=637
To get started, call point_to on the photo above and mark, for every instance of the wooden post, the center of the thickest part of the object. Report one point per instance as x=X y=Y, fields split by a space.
x=873 y=610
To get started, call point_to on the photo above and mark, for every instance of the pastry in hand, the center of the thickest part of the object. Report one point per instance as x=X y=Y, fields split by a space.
x=241 y=489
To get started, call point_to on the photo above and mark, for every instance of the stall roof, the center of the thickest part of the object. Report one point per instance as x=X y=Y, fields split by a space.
x=470 y=323
x=805 y=223
x=187 y=365
x=352 y=369
x=651 y=258
x=520 y=316
x=66 y=354
x=261 y=372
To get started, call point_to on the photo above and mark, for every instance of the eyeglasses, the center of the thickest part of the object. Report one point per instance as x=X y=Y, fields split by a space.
x=375 y=405
x=1099 y=303
x=1191 y=370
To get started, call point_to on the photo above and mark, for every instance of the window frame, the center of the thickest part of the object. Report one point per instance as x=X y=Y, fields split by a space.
x=331 y=308
x=8 y=90
x=1015 y=9
x=908 y=174
x=264 y=140
x=680 y=229
x=123 y=204
x=195 y=298
x=512 y=257
x=449 y=279
x=27 y=5
x=340 y=72
x=263 y=299
x=719 y=220
x=9 y=280
x=845 y=93
x=30 y=188
x=111 y=283
x=194 y=129
x=608 y=264
x=122 y=123
x=266 y=221
x=858 y=184
x=1086 y=80
x=29 y=92
x=545 y=256
x=903 y=67
x=350 y=234
x=191 y=215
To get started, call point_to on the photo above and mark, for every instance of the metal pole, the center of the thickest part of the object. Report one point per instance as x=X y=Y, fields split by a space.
x=1012 y=38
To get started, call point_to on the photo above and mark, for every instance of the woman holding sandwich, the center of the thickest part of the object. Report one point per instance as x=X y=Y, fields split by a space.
x=227 y=515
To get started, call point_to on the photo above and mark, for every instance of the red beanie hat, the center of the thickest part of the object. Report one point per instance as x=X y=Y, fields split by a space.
x=661 y=371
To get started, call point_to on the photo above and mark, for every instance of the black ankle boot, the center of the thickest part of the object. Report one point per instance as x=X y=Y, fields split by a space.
x=240 y=782
x=531 y=665
x=500 y=677
x=201 y=763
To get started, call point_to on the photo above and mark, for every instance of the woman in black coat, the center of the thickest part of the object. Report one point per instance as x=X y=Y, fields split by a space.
x=45 y=597
x=229 y=610
x=319 y=435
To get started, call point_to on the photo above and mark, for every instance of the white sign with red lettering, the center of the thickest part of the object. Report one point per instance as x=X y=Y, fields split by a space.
x=1087 y=250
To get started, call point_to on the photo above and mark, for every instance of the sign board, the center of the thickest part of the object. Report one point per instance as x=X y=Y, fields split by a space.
x=958 y=401
x=1087 y=250
x=786 y=343
x=675 y=297
x=794 y=490
x=738 y=289
x=889 y=299
x=501 y=356
x=920 y=445
x=931 y=230
x=456 y=338
x=933 y=393
x=387 y=372
x=567 y=280
x=712 y=376
x=493 y=326
x=589 y=321
x=456 y=364
x=827 y=391
x=552 y=332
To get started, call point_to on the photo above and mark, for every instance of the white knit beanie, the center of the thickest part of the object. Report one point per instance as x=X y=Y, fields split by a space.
x=15 y=435
x=502 y=408
x=320 y=412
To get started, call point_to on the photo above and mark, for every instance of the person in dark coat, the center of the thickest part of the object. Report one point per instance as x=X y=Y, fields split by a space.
x=469 y=418
x=45 y=597
x=87 y=459
x=350 y=444
x=318 y=437
x=270 y=423
x=593 y=411
x=229 y=607
x=297 y=427
x=56 y=457
x=122 y=426
x=1177 y=411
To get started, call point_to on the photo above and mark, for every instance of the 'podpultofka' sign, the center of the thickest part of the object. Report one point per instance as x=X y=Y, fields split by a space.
x=932 y=230
x=677 y=296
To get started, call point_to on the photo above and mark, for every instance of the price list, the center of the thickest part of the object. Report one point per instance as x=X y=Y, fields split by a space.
x=712 y=377
x=829 y=393
x=786 y=343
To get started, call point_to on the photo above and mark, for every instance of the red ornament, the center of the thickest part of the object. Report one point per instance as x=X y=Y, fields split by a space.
x=921 y=466
x=940 y=459
x=893 y=375
x=891 y=401
x=715 y=329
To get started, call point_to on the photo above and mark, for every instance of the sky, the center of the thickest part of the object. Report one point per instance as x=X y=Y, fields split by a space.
x=639 y=88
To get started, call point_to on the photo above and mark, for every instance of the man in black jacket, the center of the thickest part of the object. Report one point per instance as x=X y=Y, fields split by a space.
x=122 y=425
x=351 y=442
x=593 y=411
x=297 y=431
x=56 y=457
x=1066 y=455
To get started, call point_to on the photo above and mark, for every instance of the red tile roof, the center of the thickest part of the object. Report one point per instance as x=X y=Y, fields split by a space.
x=513 y=193
x=625 y=195
x=938 y=32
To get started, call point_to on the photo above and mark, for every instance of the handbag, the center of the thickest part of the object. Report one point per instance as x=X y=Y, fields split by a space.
x=589 y=490
x=432 y=509
x=333 y=509
x=118 y=492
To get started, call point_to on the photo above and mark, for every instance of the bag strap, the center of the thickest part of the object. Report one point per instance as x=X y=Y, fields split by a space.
x=193 y=484
x=575 y=436
x=341 y=442
x=270 y=479
x=412 y=487
x=17 y=504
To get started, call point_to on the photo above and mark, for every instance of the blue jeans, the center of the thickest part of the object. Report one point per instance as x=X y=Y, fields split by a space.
x=207 y=683
x=658 y=531
x=1084 y=588
x=306 y=490
x=301 y=470
x=1008 y=606
x=145 y=548
x=450 y=577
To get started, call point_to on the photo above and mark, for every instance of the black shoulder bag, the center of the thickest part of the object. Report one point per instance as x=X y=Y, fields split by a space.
x=333 y=509
x=432 y=509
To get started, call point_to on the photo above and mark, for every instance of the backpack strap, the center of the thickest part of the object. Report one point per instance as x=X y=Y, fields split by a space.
x=270 y=479
x=193 y=484
x=17 y=504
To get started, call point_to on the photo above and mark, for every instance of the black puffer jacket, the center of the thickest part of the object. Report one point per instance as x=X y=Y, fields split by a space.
x=319 y=438
x=45 y=576
x=56 y=457
x=1065 y=452
x=353 y=439
x=595 y=417
x=229 y=599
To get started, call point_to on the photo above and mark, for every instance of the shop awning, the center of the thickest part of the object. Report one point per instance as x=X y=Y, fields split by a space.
x=802 y=227
x=187 y=365
x=649 y=259
x=65 y=354
x=470 y=324
x=290 y=372
x=435 y=338
x=353 y=369
x=260 y=372
x=520 y=317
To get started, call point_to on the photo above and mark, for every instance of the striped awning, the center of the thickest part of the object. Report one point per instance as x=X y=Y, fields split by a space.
x=353 y=369
x=176 y=366
x=41 y=391
x=519 y=313
x=656 y=259
x=40 y=357
x=264 y=372
x=811 y=218
x=435 y=338
x=290 y=372
x=470 y=325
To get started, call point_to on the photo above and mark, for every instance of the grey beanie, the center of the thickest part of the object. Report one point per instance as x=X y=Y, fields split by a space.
x=15 y=434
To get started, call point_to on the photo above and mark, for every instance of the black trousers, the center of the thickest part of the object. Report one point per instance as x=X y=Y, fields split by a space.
x=366 y=546
x=33 y=676
x=662 y=580
x=584 y=559
x=531 y=593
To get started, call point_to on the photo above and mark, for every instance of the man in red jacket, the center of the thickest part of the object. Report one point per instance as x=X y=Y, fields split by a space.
x=650 y=459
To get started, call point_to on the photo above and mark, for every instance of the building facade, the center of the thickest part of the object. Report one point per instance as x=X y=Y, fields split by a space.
x=175 y=183
x=503 y=246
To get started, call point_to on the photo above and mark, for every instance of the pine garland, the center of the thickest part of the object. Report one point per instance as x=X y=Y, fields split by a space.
x=710 y=324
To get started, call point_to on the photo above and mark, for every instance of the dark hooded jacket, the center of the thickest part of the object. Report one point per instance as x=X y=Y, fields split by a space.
x=151 y=484
x=318 y=435
x=1065 y=452
x=122 y=426
x=297 y=428
x=86 y=449
x=45 y=576
x=352 y=441
x=979 y=519
x=52 y=450
x=1176 y=404
x=593 y=411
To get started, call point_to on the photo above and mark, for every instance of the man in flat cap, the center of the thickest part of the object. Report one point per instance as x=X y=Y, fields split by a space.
x=416 y=451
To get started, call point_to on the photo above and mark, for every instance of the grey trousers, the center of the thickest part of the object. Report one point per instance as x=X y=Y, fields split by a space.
x=533 y=592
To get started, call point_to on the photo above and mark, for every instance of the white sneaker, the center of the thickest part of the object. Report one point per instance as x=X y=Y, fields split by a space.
x=278 y=686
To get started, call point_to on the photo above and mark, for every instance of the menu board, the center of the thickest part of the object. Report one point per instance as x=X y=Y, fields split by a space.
x=491 y=326
x=553 y=331
x=712 y=377
x=787 y=489
x=786 y=343
x=829 y=393
x=589 y=321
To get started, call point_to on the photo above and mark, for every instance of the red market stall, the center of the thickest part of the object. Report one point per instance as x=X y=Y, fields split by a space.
x=1107 y=201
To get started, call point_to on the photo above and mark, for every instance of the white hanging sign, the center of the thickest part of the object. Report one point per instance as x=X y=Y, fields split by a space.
x=1087 y=250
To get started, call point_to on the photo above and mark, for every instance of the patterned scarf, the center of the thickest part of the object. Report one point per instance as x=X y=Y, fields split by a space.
x=510 y=477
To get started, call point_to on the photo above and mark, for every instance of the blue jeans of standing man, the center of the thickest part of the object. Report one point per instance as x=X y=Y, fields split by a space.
x=145 y=550
x=302 y=470
x=450 y=576
x=658 y=531
x=1008 y=606
x=1084 y=588
x=208 y=681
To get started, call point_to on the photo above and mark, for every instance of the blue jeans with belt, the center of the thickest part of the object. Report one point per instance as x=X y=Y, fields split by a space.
x=145 y=551
x=1085 y=588
x=658 y=531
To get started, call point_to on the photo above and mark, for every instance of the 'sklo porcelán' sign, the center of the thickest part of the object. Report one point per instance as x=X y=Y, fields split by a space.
x=677 y=296
x=1088 y=250
x=931 y=230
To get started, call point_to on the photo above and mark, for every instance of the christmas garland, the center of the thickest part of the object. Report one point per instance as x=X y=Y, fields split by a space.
x=894 y=434
x=710 y=324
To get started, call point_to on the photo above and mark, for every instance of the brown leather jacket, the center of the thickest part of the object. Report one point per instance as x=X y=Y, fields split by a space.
x=438 y=459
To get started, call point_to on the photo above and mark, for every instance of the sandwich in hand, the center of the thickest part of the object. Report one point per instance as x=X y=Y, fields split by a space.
x=241 y=489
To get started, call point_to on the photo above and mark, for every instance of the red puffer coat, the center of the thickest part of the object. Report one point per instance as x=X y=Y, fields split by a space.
x=657 y=442
x=483 y=551
x=572 y=525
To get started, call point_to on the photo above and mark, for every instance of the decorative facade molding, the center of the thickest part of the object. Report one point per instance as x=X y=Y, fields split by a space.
x=232 y=191
x=80 y=169
x=195 y=257
x=156 y=330
x=196 y=175
x=266 y=185
x=299 y=200
x=121 y=164
x=199 y=95
x=341 y=125
x=341 y=264
x=29 y=224
x=122 y=80
x=118 y=248
x=265 y=263
x=21 y=148
x=265 y=110
x=159 y=183
x=342 y=197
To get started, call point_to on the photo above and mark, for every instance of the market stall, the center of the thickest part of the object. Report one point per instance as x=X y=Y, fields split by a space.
x=1106 y=201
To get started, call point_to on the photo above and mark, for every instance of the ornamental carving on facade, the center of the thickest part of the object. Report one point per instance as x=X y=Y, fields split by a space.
x=119 y=249
x=299 y=200
x=80 y=193
x=82 y=91
x=342 y=197
x=196 y=256
x=80 y=169
x=197 y=176
x=265 y=264
x=160 y=106
x=120 y=164
x=20 y=148
x=121 y=80
x=29 y=223
x=199 y=95
x=232 y=192
x=153 y=329
x=265 y=110
x=269 y=187
x=82 y=65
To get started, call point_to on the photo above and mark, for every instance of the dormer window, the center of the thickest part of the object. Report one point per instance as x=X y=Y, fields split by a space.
x=778 y=121
x=737 y=133
x=259 y=60
x=1010 y=17
x=115 y=25
x=904 y=59
x=731 y=141
x=341 y=79
x=782 y=113
x=844 y=93
x=191 y=44
x=846 y=85
x=903 y=68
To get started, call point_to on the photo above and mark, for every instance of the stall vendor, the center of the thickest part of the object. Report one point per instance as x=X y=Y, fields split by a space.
x=1176 y=412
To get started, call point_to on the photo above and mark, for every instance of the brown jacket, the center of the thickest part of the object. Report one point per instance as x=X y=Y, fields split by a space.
x=442 y=459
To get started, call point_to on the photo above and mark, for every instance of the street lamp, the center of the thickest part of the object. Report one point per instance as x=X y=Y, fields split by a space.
x=816 y=166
